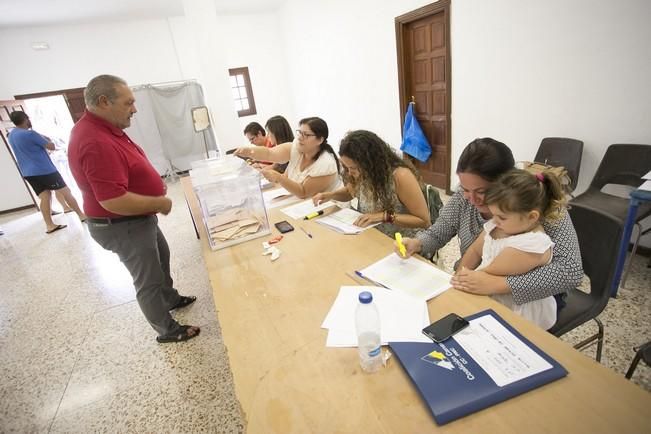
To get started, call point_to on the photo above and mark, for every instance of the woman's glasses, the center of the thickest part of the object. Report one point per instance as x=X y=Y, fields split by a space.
x=304 y=135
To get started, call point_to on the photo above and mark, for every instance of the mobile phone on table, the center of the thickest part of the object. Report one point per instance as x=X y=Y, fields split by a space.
x=284 y=227
x=444 y=328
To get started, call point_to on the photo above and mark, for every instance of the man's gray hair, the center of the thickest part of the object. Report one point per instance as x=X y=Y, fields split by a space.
x=101 y=85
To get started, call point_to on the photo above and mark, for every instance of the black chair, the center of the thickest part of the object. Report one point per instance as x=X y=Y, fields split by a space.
x=561 y=151
x=599 y=236
x=624 y=165
x=644 y=353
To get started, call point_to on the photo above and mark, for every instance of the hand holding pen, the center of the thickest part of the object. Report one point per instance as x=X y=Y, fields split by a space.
x=411 y=246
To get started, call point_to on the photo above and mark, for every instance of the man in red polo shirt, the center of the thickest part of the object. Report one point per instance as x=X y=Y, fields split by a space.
x=122 y=194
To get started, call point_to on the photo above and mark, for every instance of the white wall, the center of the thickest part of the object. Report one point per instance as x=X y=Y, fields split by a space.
x=257 y=43
x=138 y=51
x=524 y=70
x=521 y=70
x=343 y=63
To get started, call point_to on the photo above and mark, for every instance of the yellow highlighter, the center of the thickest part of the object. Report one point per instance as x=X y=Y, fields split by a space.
x=401 y=247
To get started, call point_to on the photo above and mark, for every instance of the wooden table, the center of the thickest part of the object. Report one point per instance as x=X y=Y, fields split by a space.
x=288 y=381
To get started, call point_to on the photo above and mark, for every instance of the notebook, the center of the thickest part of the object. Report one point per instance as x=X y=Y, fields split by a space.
x=484 y=364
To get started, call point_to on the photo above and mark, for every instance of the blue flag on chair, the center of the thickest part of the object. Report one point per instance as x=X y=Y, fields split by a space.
x=414 y=141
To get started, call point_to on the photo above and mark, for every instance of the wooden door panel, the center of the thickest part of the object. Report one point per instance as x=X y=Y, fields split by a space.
x=76 y=104
x=438 y=70
x=424 y=74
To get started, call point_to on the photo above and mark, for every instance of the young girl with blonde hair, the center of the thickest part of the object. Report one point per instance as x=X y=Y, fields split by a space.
x=514 y=242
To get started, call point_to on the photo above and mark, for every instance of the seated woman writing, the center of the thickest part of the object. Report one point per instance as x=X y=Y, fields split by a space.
x=387 y=187
x=313 y=165
x=514 y=240
x=464 y=215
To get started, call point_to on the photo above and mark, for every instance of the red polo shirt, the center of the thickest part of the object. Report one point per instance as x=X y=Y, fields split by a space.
x=106 y=164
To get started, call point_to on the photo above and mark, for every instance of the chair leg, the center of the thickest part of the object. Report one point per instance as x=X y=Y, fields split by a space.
x=599 y=337
x=633 y=366
x=630 y=260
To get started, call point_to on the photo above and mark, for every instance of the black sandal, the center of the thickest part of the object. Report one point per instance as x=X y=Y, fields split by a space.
x=180 y=336
x=184 y=301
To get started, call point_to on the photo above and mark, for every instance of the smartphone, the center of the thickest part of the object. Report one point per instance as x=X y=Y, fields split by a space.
x=444 y=328
x=284 y=227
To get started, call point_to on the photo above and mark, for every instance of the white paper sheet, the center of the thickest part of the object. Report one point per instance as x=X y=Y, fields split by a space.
x=645 y=186
x=276 y=193
x=301 y=209
x=410 y=276
x=504 y=357
x=342 y=221
x=401 y=318
x=278 y=197
x=647 y=176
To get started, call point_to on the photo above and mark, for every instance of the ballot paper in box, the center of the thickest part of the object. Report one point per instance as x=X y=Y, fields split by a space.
x=231 y=201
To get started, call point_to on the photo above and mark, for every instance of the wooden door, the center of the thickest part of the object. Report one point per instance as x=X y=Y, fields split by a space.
x=6 y=107
x=423 y=45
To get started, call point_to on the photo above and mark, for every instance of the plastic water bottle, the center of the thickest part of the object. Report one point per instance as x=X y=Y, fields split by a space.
x=367 y=322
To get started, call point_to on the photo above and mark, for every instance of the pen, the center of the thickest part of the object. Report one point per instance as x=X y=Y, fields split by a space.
x=312 y=215
x=359 y=274
x=401 y=247
x=306 y=232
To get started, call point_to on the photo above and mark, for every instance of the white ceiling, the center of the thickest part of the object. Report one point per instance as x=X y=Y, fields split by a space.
x=27 y=13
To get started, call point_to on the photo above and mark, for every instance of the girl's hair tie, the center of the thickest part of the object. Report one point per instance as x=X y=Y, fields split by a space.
x=540 y=177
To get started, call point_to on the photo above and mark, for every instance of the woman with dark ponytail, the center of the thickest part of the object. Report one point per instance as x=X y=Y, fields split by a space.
x=482 y=162
x=313 y=165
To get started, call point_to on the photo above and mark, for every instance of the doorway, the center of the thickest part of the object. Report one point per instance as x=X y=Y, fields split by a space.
x=423 y=44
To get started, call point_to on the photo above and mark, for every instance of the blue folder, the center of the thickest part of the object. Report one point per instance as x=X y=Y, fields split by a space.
x=452 y=389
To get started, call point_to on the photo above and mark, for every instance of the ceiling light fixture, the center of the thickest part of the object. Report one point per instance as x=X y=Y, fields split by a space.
x=40 y=46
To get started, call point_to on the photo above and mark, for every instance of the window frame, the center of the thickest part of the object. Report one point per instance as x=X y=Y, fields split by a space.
x=244 y=72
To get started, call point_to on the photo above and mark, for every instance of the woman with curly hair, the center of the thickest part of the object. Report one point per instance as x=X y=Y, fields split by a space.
x=387 y=187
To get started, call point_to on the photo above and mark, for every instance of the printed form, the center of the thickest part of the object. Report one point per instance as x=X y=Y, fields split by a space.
x=504 y=357
x=411 y=276
x=342 y=221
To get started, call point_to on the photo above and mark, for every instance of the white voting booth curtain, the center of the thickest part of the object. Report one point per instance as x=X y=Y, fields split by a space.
x=163 y=125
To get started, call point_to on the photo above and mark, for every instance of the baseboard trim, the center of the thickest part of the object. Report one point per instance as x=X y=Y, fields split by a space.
x=7 y=211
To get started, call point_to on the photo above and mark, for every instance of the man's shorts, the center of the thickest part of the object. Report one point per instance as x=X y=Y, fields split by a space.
x=51 y=181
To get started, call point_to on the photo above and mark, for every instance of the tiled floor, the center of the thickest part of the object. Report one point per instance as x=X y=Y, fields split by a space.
x=76 y=352
x=78 y=356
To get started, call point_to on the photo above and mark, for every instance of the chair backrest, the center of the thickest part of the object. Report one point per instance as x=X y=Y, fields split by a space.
x=623 y=164
x=599 y=236
x=433 y=199
x=561 y=151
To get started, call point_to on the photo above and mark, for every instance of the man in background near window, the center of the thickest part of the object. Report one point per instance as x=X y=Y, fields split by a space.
x=122 y=195
x=30 y=149
x=256 y=135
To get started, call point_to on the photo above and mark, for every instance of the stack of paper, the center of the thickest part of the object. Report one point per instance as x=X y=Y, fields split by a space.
x=302 y=209
x=409 y=276
x=342 y=221
x=234 y=223
x=401 y=318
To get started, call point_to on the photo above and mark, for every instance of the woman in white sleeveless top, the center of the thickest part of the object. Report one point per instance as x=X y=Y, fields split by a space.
x=313 y=166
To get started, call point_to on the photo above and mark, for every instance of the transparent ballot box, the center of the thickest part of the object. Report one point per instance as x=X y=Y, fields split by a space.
x=231 y=202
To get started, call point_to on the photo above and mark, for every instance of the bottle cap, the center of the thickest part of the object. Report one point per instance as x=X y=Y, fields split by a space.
x=365 y=297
